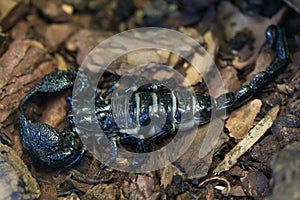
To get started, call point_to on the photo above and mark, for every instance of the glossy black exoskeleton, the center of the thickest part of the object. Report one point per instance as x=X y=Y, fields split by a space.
x=46 y=145
x=43 y=142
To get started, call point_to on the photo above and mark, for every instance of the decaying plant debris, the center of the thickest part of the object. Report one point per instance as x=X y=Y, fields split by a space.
x=37 y=38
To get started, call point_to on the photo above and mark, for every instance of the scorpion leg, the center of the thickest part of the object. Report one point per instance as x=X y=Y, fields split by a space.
x=113 y=155
x=114 y=79
x=125 y=140
x=168 y=128
x=140 y=147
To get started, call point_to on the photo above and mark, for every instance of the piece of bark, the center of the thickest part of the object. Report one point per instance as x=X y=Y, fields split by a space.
x=25 y=62
x=256 y=184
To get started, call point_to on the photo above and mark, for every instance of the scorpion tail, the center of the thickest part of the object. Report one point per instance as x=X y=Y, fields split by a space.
x=282 y=52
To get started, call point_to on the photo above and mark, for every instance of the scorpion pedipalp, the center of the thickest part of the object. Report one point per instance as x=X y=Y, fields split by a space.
x=51 y=83
x=46 y=145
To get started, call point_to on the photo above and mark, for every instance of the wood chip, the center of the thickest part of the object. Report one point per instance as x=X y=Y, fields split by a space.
x=22 y=57
x=241 y=120
x=61 y=63
x=262 y=126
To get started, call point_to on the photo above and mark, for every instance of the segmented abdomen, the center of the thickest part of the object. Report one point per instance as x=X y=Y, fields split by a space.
x=146 y=112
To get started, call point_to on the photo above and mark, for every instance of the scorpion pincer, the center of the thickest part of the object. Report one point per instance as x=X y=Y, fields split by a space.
x=60 y=150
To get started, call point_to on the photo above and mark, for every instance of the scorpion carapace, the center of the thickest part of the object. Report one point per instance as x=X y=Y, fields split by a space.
x=46 y=145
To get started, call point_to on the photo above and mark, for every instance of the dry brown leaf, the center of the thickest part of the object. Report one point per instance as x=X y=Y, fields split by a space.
x=6 y=7
x=263 y=60
x=230 y=82
x=102 y=191
x=84 y=41
x=167 y=175
x=47 y=185
x=230 y=79
x=241 y=120
x=143 y=56
x=212 y=43
x=243 y=146
x=72 y=196
x=237 y=191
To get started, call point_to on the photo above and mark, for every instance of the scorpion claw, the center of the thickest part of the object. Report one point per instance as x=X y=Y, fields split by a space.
x=45 y=144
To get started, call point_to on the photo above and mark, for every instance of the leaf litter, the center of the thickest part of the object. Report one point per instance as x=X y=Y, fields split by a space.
x=73 y=45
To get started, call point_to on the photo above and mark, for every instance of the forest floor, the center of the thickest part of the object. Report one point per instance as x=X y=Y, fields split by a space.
x=38 y=37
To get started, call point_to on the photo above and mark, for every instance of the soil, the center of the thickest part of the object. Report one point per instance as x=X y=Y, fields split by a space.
x=37 y=38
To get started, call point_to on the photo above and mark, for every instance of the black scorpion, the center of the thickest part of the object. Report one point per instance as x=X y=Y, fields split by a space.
x=60 y=150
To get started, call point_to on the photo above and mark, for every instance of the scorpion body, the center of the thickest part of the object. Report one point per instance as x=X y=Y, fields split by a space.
x=122 y=118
